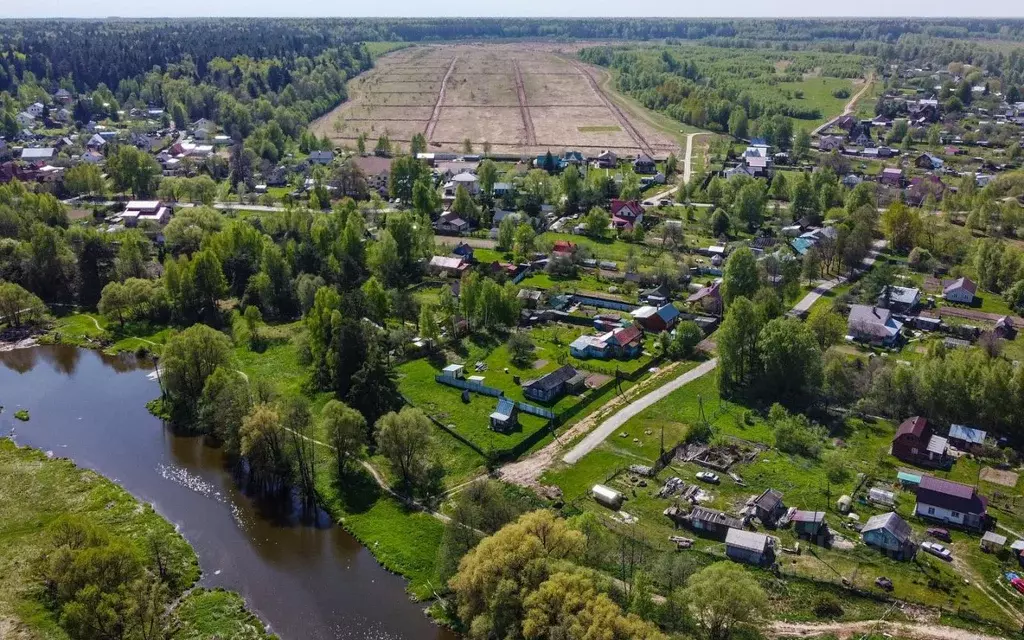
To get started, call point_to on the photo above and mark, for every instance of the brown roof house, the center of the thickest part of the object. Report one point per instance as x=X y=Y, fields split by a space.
x=961 y=290
x=768 y=507
x=873 y=325
x=951 y=503
x=916 y=443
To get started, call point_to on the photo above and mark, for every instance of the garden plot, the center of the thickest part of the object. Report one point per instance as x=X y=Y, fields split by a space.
x=555 y=90
x=491 y=124
x=585 y=127
x=481 y=90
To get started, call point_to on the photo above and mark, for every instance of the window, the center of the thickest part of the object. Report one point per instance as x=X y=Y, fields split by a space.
x=913 y=450
x=955 y=514
x=931 y=511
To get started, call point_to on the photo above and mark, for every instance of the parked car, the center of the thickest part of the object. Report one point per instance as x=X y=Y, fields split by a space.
x=884 y=583
x=1016 y=581
x=707 y=476
x=939 y=534
x=937 y=549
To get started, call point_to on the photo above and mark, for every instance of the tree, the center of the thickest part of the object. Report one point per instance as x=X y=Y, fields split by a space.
x=811 y=269
x=253 y=318
x=428 y=324
x=345 y=430
x=84 y=179
x=464 y=205
x=738 y=123
x=827 y=326
x=790 y=360
x=671 y=165
x=902 y=225
x=720 y=223
x=467 y=145
x=133 y=170
x=225 y=401
x=524 y=239
x=724 y=597
x=750 y=203
x=383 y=146
x=801 y=144
x=597 y=222
x=740 y=277
x=688 y=336
x=737 y=345
x=17 y=304
x=404 y=440
x=405 y=172
x=374 y=391
x=487 y=173
x=521 y=349
x=263 y=442
x=114 y=301
x=838 y=383
x=417 y=145
x=507 y=232
x=189 y=358
x=378 y=302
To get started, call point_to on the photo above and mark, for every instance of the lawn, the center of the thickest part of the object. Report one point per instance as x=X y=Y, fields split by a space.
x=94 y=330
x=39 y=490
x=603 y=249
x=804 y=484
x=817 y=93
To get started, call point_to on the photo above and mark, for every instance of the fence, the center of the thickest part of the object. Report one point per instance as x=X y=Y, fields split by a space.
x=604 y=303
x=496 y=393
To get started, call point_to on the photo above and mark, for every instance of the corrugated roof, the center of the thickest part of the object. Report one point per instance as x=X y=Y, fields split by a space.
x=749 y=540
x=947 y=487
x=914 y=426
x=808 y=516
x=891 y=522
x=968 y=434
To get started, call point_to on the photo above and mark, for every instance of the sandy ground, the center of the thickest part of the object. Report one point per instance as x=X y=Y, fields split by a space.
x=454 y=92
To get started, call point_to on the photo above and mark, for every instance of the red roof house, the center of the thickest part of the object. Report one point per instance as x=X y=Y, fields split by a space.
x=950 y=502
x=917 y=444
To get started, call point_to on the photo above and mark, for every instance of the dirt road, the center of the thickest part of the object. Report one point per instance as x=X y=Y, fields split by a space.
x=844 y=630
x=524 y=107
x=808 y=301
x=688 y=162
x=848 y=109
x=436 y=115
x=598 y=435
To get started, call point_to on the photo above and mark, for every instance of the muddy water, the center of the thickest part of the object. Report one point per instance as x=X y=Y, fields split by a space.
x=306 y=580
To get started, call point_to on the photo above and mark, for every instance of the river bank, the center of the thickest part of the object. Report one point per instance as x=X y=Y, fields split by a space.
x=308 y=578
x=38 y=490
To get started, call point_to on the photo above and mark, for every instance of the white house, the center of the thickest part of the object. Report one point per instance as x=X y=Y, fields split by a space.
x=961 y=290
x=25 y=120
x=138 y=211
x=36 y=109
x=950 y=502
x=466 y=180
x=92 y=157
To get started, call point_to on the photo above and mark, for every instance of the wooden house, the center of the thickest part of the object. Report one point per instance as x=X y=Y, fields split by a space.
x=749 y=547
x=891 y=534
x=768 y=507
x=916 y=443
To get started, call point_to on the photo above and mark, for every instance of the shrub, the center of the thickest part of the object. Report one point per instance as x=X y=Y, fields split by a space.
x=21 y=414
x=827 y=606
x=841 y=93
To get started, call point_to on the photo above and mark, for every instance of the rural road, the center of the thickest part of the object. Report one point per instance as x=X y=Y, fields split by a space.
x=875 y=628
x=848 y=109
x=687 y=172
x=598 y=435
x=808 y=301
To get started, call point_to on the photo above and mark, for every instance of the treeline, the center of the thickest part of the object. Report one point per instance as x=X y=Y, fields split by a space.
x=707 y=87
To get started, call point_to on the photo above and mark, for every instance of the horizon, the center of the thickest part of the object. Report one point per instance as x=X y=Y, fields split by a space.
x=530 y=9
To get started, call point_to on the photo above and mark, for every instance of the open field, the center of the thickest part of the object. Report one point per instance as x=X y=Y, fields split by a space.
x=520 y=98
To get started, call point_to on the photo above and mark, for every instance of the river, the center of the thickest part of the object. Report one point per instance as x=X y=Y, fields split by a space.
x=306 y=581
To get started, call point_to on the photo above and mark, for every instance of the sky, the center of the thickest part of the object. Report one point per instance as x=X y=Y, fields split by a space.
x=504 y=8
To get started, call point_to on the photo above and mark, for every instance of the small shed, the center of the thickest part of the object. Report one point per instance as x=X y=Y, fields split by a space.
x=843 y=503
x=992 y=541
x=769 y=507
x=456 y=371
x=607 y=496
x=966 y=438
x=505 y=417
x=909 y=480
x=749 y=547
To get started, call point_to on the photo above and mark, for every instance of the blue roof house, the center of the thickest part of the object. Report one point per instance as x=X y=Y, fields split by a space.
x=505 y=417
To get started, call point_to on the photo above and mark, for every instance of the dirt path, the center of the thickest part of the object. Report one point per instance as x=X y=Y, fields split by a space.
x=527 y=471
x=844 y=630
x=848 y=109
x=598 y=435
x=688 y=161
x=436 y=114
x=524 y=108
x=624 y=121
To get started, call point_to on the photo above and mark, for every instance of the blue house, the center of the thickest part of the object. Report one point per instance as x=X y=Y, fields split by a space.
x=464 y=250
x=890 y=534
x=505 y=417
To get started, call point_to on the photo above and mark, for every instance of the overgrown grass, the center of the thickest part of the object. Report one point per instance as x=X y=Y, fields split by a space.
x=215 y=613
x=36 y=492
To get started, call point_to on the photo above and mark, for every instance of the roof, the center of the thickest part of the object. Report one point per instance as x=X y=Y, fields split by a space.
x=504 y=409
x=37 y=153
x=748 y=540
x=668 y=312
x=769 y=500
x=906 y=476
x=710 y=515
x=711 y=289
x=967 y=434
x=808 y=516
x=937 y=445
x=372 y=165
x=627 y=335
x=627 y=208
x=643 y=158
x=645 y=311
x=947 y=494
x=554 y=379
x=960 y=283
x=994 y=538
x=902 y=295
x=914 y=426
x=892 y=171
x=890 y=522
x=873 y=321
x=444 y=262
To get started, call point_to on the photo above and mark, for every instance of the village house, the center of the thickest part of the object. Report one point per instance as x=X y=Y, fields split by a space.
x=966 y=438
x=891 y=534
x=447 y=265
x=656 y=319
x=623 y=342
x=376 y=170
x=607 y=160
x=451 y=223
x=37 y=154
x=951 y=503
x=846 y=123
x=830 y=143
x=321 y=157
x=928 y=161
x=749 y=547
x=810 y=525
x=1005 y=328
x=768 y=507
x=657 y=296
x=708 y=297
x=62 y=96
x=554 y=385
x=464 y=250
x=712 y=523
x=626 y=214
x=961 y=290
x=36 y=109
x=892 y=176
x=137 y=212
x=91 y=157
x=899 y=299
x=644 y=164
x=505 y=417
x=873 y=325
x=915 y=442
x=466 y=180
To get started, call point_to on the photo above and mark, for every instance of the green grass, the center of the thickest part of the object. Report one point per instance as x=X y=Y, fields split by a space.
x=86 y=329
x=39 y=490
x=377 y=49
x=803 y=483
x=817 y=92
x=216 y=613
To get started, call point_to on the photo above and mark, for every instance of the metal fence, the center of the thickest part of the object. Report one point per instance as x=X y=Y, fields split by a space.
x=496 y=393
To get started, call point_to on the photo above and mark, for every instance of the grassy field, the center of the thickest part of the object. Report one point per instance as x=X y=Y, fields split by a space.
x=38 y=491
x=817 y=92
x=804 y=484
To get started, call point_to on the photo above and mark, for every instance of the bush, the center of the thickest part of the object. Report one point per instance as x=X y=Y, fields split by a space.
x=827 y=606
x=841 y=93
x=21 y=414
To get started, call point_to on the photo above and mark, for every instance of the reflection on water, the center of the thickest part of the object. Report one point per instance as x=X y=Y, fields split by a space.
x=308 y=579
